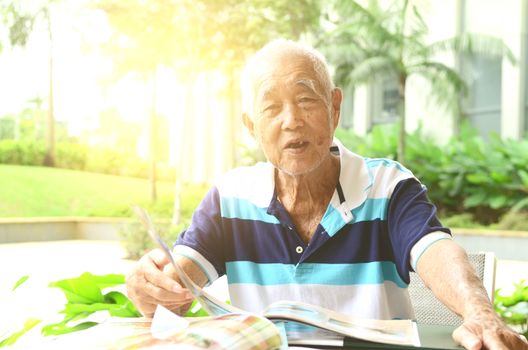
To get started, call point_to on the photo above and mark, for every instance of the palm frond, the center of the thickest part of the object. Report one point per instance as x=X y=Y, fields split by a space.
x=473 y=44
x=368 y=23
x=367 y=70
x=447 y=86
x=419 y=24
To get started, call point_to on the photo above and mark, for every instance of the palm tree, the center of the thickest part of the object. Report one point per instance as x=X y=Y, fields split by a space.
x=371 y=42
x=20 y=24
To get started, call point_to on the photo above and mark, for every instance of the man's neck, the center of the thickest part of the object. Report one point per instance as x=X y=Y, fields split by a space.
x=316 y=187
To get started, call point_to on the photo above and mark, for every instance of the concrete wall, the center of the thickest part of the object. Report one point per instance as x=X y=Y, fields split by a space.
x=509 y=245
x=51 y=229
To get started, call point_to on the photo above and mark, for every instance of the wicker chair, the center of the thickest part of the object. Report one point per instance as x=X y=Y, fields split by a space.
x=429 y=310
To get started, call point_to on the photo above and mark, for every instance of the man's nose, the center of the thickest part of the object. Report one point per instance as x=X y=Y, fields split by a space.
x=292 y=117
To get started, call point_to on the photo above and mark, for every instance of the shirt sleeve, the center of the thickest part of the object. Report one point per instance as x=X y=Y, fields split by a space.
x=411 y=216
x=203 y=240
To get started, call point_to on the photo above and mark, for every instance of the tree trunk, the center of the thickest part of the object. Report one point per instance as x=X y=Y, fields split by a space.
x=49 y=159
x=182 y=153
x=401 y=112
x=152 y=140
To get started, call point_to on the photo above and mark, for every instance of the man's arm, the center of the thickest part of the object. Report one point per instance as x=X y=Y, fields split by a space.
x=445 y=269
x=153 y=281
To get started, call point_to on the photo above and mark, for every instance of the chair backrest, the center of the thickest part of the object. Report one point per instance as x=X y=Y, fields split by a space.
x=429 y=310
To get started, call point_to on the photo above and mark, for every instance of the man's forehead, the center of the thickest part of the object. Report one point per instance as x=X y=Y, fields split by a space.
x=271 y=86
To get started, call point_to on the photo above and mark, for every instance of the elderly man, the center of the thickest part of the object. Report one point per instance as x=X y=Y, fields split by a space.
x=316 y=222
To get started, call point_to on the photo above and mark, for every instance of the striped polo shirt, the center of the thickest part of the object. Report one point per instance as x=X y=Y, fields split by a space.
x=357 y=261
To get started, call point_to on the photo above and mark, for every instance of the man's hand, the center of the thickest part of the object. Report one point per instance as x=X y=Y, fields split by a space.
x=152 y=281
x=485 y=330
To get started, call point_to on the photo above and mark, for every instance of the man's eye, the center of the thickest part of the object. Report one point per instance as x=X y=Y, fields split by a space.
x=271 y=108
x=306 y=100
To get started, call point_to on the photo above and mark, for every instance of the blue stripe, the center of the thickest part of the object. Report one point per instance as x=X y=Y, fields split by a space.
x=372 y=209
x=325 y=274
x=375 y=163
x=332 y=221
x=243 y=209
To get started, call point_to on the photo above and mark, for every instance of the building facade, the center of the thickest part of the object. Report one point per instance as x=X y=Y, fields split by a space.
x=497 y=101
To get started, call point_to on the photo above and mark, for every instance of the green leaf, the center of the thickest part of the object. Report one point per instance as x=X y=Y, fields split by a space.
x=83 y=289
x=110 y=280
x=126 y=307
x=19 y=282
x=477 y=178
x=63 y=328
x=28 y=325
x=474 y=200
x=199 y=310
x=520 y=205
x=524 y=177
x=115 y=297
x=516 y=314
x=74 y=309
x=500 y=177
x=499 y=201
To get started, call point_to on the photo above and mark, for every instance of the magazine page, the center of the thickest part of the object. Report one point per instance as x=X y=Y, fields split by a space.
x=232 y=332
x=402 y=332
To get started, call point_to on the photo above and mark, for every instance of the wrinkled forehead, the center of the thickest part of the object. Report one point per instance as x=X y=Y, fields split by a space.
x=274 y=87
x=285 y=71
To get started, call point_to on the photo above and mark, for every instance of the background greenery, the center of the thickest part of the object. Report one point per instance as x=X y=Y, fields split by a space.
x=473 y=183
x=36 y=191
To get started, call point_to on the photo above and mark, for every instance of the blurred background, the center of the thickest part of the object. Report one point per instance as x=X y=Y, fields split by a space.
x=107 y=103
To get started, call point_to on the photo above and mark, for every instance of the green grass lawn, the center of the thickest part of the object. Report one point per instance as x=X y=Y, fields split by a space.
x=30 y=191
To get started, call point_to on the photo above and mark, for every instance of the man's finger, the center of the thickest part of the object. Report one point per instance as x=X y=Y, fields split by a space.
x=164 y=295
x=467 y=339
x=158 y=257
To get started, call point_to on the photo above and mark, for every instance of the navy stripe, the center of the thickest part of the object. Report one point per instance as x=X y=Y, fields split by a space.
x=259 y=242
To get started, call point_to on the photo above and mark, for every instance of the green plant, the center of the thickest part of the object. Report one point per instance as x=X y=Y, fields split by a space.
x=513 y=308
x=137 y=242
x=85 y=296
x=485 y=180
x=514 y=220
x=10 y=339
x=464 y=220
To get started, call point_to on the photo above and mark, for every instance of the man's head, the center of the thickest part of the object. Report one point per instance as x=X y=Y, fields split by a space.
x=290 y=105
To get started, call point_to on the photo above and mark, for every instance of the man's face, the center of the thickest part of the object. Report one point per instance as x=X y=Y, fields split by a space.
x=293 y=118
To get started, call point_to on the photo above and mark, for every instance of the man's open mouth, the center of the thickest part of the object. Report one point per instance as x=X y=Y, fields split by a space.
x=296 y=145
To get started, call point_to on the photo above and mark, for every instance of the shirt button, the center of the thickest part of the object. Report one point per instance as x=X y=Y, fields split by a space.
x=299 y=249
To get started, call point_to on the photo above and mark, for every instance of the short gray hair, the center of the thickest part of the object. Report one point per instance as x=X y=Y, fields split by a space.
x=283 y=46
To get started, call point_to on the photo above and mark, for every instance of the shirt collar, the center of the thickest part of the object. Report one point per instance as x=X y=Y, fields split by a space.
x=354 y=177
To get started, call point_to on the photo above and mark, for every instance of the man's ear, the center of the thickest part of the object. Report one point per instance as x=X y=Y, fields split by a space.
x=248 y=122
x=337 y=97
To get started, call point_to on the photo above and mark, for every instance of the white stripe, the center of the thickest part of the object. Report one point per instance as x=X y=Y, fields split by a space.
x=385 y=301
x=255 y=184
x=385 y=181
x=207 y=268
x=425 y=242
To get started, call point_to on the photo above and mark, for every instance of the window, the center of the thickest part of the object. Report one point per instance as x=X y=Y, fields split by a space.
x=389 y=102
x=483 y=75
x=346 y=119
x=483 y=104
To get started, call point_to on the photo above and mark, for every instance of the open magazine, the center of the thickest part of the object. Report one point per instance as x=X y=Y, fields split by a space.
x=305 y=324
